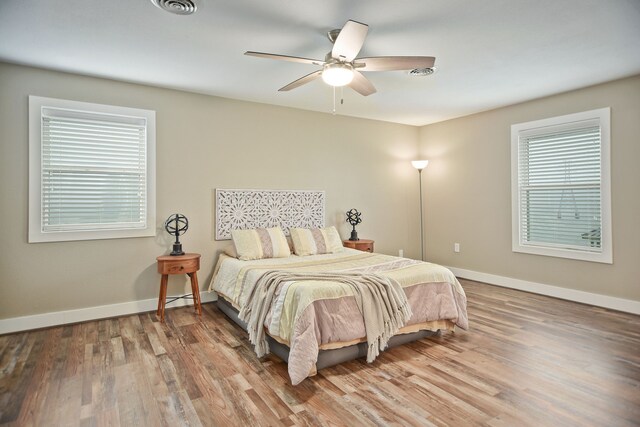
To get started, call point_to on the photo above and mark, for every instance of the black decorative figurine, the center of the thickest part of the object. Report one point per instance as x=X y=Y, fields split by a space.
x=353 y=218
x=177 y=224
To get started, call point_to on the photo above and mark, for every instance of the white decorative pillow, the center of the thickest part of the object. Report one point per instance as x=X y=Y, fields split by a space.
x=260 y=243
x=315 y=241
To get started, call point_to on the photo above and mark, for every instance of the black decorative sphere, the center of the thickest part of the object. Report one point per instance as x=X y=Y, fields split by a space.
x=354 y=218
x=177 y=225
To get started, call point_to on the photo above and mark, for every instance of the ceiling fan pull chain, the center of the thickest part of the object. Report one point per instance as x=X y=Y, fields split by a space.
x=341 y=95
x=334 y=100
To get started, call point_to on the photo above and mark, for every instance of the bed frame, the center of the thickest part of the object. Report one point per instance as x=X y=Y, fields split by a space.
x=326 y=358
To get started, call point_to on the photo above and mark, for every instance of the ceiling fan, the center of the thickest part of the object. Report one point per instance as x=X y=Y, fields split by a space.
x=341 y=67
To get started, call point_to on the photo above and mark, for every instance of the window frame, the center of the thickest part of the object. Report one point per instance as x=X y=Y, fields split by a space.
x=603 y=116
x=36 y=233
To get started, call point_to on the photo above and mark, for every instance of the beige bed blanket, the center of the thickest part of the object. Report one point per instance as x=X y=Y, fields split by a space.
x=381 y=301
x=309 y=315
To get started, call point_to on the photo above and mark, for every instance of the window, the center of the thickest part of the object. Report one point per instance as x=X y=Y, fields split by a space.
x=91 y=171
x=560 y=183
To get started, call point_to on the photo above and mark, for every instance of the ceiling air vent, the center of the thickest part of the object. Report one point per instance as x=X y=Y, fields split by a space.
x=422 y=71
x=178 y=7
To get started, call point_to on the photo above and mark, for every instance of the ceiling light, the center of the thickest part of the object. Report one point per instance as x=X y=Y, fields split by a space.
x=337 y=74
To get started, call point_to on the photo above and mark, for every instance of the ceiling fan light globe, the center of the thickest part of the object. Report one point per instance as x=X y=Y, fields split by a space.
x=337 y=74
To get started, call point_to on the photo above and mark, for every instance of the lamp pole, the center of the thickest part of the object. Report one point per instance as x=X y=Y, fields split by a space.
x=421 y=218
x=419 y=165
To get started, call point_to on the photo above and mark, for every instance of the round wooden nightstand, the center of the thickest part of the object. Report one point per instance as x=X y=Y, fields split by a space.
x=361 y=245
x=188 y=264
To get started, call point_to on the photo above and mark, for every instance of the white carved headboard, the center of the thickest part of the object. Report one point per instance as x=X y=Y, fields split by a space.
x=246 y=209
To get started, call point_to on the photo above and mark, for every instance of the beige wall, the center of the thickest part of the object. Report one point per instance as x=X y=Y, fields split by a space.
x=208 y=142
x=203 y=143
x=468 y=192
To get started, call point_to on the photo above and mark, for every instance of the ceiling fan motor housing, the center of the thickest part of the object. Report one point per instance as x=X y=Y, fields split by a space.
x=333 y=35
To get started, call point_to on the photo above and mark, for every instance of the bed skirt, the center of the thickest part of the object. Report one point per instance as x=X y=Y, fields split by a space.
x=326 y=358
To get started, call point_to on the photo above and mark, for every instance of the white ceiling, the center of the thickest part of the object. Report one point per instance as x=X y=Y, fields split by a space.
x=489 y=53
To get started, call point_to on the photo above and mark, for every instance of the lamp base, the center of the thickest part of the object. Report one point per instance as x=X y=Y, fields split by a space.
x=354 y=235
x=177 y=250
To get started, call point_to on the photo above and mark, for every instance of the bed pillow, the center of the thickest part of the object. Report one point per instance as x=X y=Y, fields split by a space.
x=315 y=241
x=260 y=243
x=230 y=250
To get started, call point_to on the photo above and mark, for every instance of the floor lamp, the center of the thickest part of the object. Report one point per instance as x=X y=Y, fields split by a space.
x=420 y=164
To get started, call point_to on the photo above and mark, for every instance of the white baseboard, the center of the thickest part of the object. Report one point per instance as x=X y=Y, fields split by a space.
x=36 y=321
x=620 y=304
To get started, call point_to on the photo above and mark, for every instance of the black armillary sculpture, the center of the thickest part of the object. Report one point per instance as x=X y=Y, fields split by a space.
x=177 y=225
x=354 y=218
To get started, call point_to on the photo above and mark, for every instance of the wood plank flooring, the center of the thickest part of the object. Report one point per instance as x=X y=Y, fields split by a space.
x=528 y=360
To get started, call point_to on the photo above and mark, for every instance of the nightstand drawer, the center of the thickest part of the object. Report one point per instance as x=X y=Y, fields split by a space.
x=361 y=245
x=179 y=266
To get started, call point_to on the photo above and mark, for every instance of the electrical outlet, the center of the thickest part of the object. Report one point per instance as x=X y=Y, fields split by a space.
x=456 y=247
x=401 y=253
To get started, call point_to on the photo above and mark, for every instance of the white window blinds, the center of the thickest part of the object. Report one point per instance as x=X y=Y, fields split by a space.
x=93 y=172
x=560 y=186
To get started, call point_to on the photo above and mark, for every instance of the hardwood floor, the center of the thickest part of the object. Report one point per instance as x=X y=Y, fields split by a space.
x=527 y=360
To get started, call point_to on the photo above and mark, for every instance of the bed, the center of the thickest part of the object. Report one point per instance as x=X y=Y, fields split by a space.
x=313 y=324
x=289 y=282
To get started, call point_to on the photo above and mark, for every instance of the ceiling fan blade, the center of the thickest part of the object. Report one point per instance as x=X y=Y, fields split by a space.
x=349 y=41
x=285 y=58
x=302 y=80
x=361 y=84
x=390 y=63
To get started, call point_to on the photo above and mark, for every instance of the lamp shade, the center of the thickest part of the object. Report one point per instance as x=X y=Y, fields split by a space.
x=337 y=74
x=419 y=164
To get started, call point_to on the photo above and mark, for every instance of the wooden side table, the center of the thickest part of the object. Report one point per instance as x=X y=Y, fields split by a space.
x=361 y=245
x=182 y=264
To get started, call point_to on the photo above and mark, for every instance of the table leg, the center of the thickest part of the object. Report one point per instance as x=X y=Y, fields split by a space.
x=195 y=290
x=162 y=299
